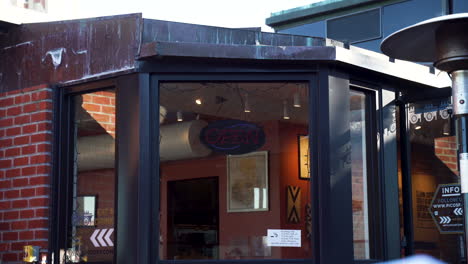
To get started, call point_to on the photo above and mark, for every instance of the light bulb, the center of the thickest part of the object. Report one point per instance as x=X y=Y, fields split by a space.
x=180 y=118
x=297 y=100
x=285 y=110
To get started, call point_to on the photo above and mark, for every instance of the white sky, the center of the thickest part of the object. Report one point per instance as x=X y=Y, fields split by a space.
x=223 y=13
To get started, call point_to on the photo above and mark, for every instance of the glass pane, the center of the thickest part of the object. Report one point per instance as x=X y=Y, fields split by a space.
x=235 y=174
x=359 y=176
x=356 y=27
x=437 y=221
x=92 y=220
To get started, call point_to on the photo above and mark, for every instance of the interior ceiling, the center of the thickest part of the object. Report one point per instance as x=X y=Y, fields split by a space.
x=228 y=100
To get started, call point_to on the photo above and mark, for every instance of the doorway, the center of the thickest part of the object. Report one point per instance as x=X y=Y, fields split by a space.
x=193 y=219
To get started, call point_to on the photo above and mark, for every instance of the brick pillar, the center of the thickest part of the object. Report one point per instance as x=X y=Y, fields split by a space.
x=25 y=170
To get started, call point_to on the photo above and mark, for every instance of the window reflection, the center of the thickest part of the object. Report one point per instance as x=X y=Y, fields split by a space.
x=230 y=170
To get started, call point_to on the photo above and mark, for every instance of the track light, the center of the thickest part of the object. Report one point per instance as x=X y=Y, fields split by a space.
x=180 y=117
x=246 y=104
x=198 y=101
x=297 y=100
x=285 y=110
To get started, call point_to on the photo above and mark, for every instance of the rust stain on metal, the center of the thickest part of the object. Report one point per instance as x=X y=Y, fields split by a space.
x=59 y=52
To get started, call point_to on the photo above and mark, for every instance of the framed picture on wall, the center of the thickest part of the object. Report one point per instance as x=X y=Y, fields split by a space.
x=247 y=182
x=304 y=157
x=85 y=213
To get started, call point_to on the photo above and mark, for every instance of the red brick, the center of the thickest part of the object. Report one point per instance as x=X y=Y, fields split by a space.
x=43 y=169
x=41 y=234
x=101 y=100
x=21 y=161
x=19 y=225
x=44 y=126
x=4 y=247
x=13 y=111
x=4 y=102
x=108 y=110
x=13 y=173
x=37 y=224
x=4 y=143
x=25 y=214
x=41 y=244
x=2 y=174
x=21 y=182
x=22 y=99
x=19 y=204
x=5 y=184
x=2 y=133
x=11 y=215
x=101 y=117
x=11 y=257
x=37 y=202
x=28 y=129
x=10 y=236
x=45 y=106
x=41 y=95
x=28 y=149
x=39 y=180
x=17 y=246
x=27 y=171
x=26 y=235
x=41 y=116
x=45 y=147
x=42 y=191
x=11 y=194
x=91 y=107
x=42 y=212
x=12 y=152
x=6 y=122
x=21 y=120
x=29 y=192
x=38 y=159
x=4 y=164
x=14 y=131
x=22 y=140
x=2 y=113
x=29 y=108
x=42 y=137
x=4 y=205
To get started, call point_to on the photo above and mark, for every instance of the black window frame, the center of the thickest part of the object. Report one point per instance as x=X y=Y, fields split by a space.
x=309 y=77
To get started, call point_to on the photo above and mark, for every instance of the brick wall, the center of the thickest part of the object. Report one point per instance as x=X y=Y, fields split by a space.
x=101 y=107
x=25 y=168
x=446 y=151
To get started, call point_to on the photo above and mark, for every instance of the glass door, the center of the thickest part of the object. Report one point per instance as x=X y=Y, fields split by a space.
x=436 y=202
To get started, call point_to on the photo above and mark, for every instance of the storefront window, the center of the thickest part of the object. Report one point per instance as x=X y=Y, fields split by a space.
x=235 y=171
x=359 y=175
x=92 y=231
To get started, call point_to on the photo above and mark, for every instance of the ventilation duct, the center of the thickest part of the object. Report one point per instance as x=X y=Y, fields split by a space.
x=177 y=141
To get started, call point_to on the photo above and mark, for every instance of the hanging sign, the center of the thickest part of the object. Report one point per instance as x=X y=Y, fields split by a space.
x=447 y=209
x=233 y=136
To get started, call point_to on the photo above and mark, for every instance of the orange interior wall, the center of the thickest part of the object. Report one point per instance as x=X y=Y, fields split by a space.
x=282 y=146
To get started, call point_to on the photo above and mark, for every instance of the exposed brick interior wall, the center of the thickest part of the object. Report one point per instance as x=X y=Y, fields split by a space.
x=101 y=107
x=446 y=151
x=25 y=168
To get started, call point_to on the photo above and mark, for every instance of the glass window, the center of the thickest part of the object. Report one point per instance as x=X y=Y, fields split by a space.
x=359 y=169
x=437 y=211
x=93 y=186
x=356 y=27
x=234 y=171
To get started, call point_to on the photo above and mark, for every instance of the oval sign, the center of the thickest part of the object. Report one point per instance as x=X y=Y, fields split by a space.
x=233 y=136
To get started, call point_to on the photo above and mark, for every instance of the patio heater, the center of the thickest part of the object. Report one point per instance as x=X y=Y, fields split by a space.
x=443 y=41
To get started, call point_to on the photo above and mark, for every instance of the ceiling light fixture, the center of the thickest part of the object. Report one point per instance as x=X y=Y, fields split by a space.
x=198 y=101
x=297 y=100
x=285 y=110
x=246 y=104
x=180 y=117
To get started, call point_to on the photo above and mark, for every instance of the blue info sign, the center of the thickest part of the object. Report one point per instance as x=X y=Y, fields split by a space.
x=447 y=209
